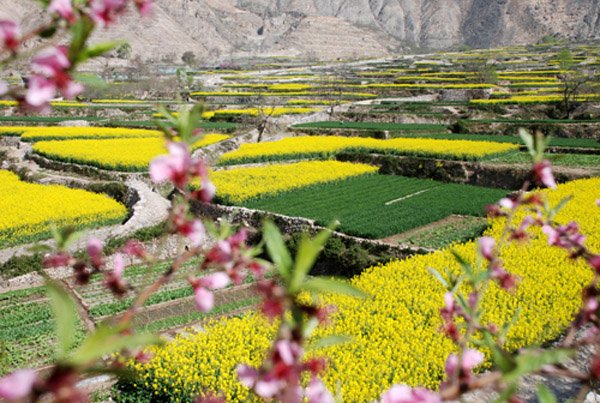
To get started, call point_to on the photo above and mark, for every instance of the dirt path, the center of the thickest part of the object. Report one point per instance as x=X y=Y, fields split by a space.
x=395 y=239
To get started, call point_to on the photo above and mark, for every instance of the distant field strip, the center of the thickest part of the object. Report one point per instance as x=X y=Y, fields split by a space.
x=326 y=146
x=240 y=184
x=38 y=133
x=362 y=204
x=29 y=210
x=129 y=154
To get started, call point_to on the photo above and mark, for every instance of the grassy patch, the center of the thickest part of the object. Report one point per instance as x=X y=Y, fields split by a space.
x=461 y=229
x=378 y=206
x=561 y=160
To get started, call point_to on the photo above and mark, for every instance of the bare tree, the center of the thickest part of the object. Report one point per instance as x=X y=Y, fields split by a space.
x=574 y=82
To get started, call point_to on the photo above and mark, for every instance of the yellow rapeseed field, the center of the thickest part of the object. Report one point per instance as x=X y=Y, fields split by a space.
x=534 y=99
x=240 y=184
x=395 y=334
x=29 y=210
x=303 y=146
x=129 y=154
x=73 y=132
x=270 y=111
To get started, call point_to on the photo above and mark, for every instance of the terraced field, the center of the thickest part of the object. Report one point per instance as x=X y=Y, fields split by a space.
x=274 y=128
x=378 y=206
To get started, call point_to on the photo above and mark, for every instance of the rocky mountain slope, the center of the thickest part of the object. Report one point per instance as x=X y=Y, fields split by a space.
x=330 y=29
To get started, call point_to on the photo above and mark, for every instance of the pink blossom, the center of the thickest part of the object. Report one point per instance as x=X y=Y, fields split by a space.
x=543 y=174
x=51 y=74
x=104 y=12
x=405 y=394
x=51 y=62
x=451 y=365
x=57 y=260
x=551 y=233
x=598 y=202
x=316 y=392
x=17 y=385
x=9 y=35
x=486 y=247
x=215 y=281
x=144 y=7
x=94 y=250
x=174 y=167
x=3 y=88
x=221 y=253
x=287 y=351
x=591 y=304
x=64 y=8
x=207 y=192
x=594 y=261
x=114 y=281
x=268 y=386
x=471 y=359
x=134 y=248
x=237 y=239
x=194 y=231
x=118 y=266
x=506 y=203
x=41 y=91
x=504 y=278
x=247 y=375
x=205 y=300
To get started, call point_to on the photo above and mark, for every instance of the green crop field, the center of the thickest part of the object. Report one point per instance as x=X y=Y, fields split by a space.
x=554 y=141
x=378 y=206
x=328 y=125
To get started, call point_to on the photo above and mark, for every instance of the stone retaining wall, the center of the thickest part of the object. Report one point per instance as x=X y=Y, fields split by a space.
x=291 y=225
x=465 y=172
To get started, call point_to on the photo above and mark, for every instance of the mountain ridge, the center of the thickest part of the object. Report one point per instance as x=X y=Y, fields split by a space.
x=329 y=29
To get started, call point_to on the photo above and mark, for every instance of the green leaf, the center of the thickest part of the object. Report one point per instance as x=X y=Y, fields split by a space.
x=545 y=395
x=553 y=212
x=308 y=251
x=529 y=142
x=439 y=277
x=277 y=250
x=463 y=262
x=501 y=359
x=106 y=340
x=322 y=285
x=90 y=80
x=80 y=32
x=65 y=236
x=65 y=315
x=329 y=341
x=531 y=361
x=101 y=48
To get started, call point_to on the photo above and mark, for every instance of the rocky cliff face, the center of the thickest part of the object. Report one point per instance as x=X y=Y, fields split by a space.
x=330 y=29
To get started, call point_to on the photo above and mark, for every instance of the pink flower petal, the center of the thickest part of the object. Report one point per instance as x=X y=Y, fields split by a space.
x=41 y=91
x=17 y=385
x=285 y=350
x=486 y=247
x=118 y=266
x=316 y=392
x=451 y=365
x=471 y=359
x=247 y=375
x=205 y=300
x=64 y=8
x=215 y=281
x=160 y=170
x=268 y=388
